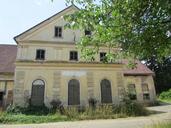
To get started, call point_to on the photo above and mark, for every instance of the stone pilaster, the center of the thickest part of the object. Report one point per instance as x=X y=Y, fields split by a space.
x=19 y=88
x=56 y=85
x=120 y=85
x=90 y=84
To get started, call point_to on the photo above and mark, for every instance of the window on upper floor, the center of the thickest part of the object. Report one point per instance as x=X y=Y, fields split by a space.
x=87 y=33
x=102 y=56
x=58 y=32
x=132 y=92
x=74 y=55
x=145 y=90
x=40 y=54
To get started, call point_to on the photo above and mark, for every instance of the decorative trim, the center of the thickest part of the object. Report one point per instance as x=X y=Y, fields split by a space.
x=67 y=64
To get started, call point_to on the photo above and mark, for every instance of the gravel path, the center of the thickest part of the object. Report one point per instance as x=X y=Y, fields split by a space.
x=134 y=122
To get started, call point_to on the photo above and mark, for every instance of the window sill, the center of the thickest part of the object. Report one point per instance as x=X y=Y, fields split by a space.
x=73 y=60
x=146 y=99
x=58 y=37
x=39 y=60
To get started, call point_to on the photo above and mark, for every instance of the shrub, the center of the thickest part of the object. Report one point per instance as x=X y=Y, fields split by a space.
x=30 y=110
x=28 y=119
x=108 y=111
x=132 y=108
x=14 y=109
x=165 y=95
x=71 y=112
x=36 y=110
x=81 y=109
x=56 y=104
x=104 y=111
x=92 y=102
x=101 y=112
x=150 y=104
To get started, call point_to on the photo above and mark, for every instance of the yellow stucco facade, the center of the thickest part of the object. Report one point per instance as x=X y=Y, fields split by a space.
x=139 y=81
x=57 y=76
x=56 y=70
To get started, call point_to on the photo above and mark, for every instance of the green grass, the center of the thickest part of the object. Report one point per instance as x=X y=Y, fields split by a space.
x=165 y=100
x=71 y=114
x=30 y=119
x=18 y=115
x=36 y=119
x=160 y=125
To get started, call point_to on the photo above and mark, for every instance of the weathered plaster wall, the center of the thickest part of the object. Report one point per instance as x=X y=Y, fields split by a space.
x=53 y=51
x=57 y=78
x=6 y=86
x=138 y=81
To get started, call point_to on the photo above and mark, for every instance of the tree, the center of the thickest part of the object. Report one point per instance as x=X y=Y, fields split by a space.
x=138 y=28
x=162 y=73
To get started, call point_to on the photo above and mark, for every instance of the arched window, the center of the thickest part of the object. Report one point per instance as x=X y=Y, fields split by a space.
x=132 y=92
x=37 y=94
x=106 y=92
x=73 y=92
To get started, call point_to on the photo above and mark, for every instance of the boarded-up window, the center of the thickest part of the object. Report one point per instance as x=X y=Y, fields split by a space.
x=146 y=93
x=2 y=85
x=37 y=95
x=132 y=92
x=1 y=98
x=9 y=97
x=2 y=92
x=73 y=92
x=106 y=93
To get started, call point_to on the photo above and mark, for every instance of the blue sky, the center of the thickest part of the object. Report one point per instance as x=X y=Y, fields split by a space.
x=17 y=16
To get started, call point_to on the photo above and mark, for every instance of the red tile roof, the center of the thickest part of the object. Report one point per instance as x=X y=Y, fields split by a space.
x=140 y=69
x=7 y=58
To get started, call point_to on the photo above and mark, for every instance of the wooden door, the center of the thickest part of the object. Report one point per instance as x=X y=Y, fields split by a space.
x=37 y=96
x=73 y=92
x=106 y=93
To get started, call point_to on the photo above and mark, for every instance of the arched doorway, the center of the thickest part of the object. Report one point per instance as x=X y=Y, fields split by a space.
x=37 y=94
x=73 y=92
x=106 y=93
